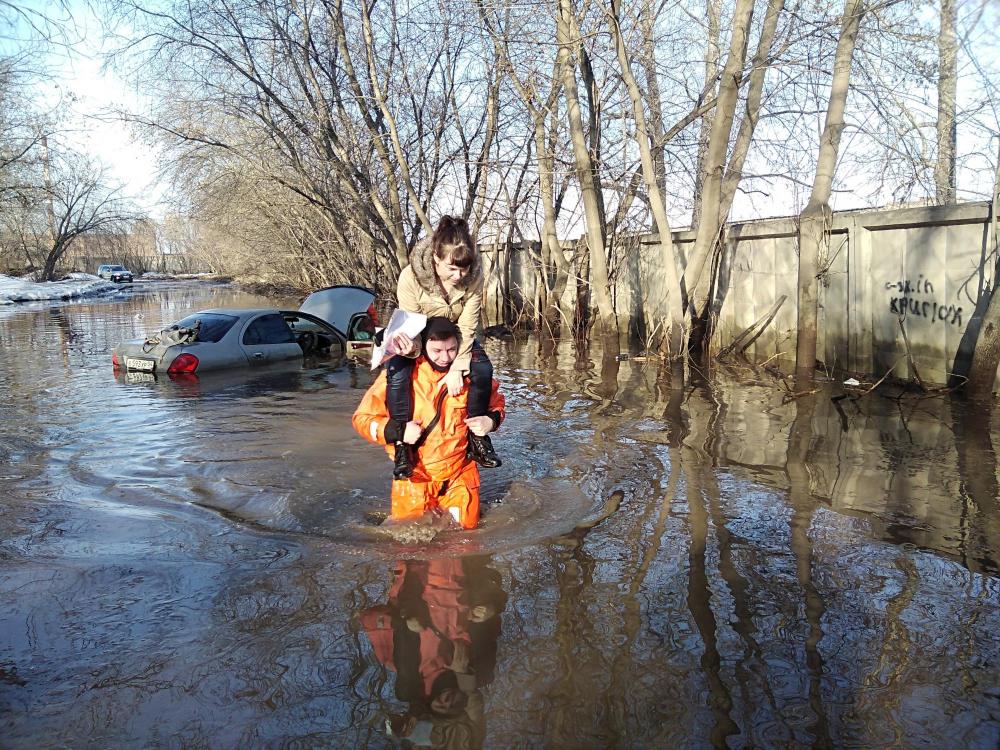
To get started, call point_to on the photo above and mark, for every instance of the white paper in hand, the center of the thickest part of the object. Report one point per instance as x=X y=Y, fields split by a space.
x=409 y=323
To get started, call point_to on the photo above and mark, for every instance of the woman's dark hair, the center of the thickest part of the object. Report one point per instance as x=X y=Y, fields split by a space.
x=453 y=243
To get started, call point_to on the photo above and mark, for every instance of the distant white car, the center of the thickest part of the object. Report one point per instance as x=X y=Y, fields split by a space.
x=115 y=273
x=226 y=338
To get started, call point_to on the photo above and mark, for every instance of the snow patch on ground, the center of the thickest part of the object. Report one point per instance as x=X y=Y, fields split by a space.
x=74 y=285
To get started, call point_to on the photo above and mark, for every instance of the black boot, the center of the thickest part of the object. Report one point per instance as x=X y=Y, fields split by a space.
x=402 y=463
x=481 y=451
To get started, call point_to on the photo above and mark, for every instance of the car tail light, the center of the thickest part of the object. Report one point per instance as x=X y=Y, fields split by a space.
x=184 y=363
x=114 y=360
x=372 y=314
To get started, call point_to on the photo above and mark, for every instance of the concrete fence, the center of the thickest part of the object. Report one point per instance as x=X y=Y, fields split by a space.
x=925 y=270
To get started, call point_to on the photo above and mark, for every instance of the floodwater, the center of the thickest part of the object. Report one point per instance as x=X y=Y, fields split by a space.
x=700 y=564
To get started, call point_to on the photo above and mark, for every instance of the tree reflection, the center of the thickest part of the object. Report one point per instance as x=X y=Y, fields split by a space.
x=803 y=506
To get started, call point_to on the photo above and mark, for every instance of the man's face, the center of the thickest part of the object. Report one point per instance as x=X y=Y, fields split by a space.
x=442 y=353
x=449 y=702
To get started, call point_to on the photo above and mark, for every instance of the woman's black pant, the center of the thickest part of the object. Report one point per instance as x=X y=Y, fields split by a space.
x=399 y=390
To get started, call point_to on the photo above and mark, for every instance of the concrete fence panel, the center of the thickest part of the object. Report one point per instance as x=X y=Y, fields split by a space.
x=924 y=269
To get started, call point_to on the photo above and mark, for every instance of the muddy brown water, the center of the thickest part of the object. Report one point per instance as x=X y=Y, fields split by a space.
x=196 y=564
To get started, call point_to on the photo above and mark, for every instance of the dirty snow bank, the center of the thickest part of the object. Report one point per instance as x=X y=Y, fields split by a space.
x=74 y=285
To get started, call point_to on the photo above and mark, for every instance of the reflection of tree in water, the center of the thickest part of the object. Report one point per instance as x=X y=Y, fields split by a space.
x=803 y=506
x=438 y=632
x=715 y=595
x=979 y=493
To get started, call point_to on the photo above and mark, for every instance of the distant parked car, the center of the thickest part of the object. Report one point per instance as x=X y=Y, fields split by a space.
x=117 y=274
x=226 y=338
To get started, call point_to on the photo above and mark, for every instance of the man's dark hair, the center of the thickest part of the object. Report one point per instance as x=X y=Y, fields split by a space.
x=441 y=329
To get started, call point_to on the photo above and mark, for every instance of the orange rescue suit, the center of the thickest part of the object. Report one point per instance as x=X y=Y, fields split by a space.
x=443 y=476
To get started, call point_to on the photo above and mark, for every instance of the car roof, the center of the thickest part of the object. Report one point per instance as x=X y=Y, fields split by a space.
x=241 y=312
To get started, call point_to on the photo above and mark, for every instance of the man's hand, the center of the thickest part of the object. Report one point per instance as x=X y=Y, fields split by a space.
x=413 y=625
x=454 y=382
x=479 y=425
x=413 y=432
x=403 y=344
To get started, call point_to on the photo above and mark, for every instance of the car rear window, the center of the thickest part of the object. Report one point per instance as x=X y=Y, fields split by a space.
x=213 y=325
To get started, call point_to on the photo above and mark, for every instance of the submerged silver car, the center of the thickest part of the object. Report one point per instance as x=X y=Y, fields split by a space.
x=215 y=339
x=226 y=338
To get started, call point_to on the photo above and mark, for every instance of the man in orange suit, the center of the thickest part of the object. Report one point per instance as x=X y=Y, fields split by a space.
x=445 y=478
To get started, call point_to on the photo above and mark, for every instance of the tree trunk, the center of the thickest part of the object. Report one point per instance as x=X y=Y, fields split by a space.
x=944 y=167
x=48 y=273
x=744 y=137
x=986 y=357
x=705 y=130
x=697 y=275
x=568 y=39
x=814 y=221
x=653 y=99
x=476 y=199
x=556 y=266
x=581 y=315
x=393 y=220
x=675 y=315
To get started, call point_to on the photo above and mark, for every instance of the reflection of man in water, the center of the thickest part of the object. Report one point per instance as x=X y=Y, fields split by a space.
x=444 y=477
x=438 y=632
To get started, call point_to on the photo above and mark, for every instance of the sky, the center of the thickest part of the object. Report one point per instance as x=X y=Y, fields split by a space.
x=85 y=93
x=112 y=141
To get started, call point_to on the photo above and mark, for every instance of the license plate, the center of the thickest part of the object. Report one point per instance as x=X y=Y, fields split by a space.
x=143 y=365
x=139 y=377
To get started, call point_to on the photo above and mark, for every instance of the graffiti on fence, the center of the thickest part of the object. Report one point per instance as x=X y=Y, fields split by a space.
x=913 y=301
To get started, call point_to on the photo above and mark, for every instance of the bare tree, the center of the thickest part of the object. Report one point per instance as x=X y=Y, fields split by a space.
x=570 y=53
x=697 y=281
x=944 y=165
x=79 y=199
x=815 y=220
x=542 y=105
x=986 y=357
x=675 y=333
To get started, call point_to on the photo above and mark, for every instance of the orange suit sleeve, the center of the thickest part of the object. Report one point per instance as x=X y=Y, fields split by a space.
x=372 y=414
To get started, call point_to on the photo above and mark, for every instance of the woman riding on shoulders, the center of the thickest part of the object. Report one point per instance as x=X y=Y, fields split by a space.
x=444 y=278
